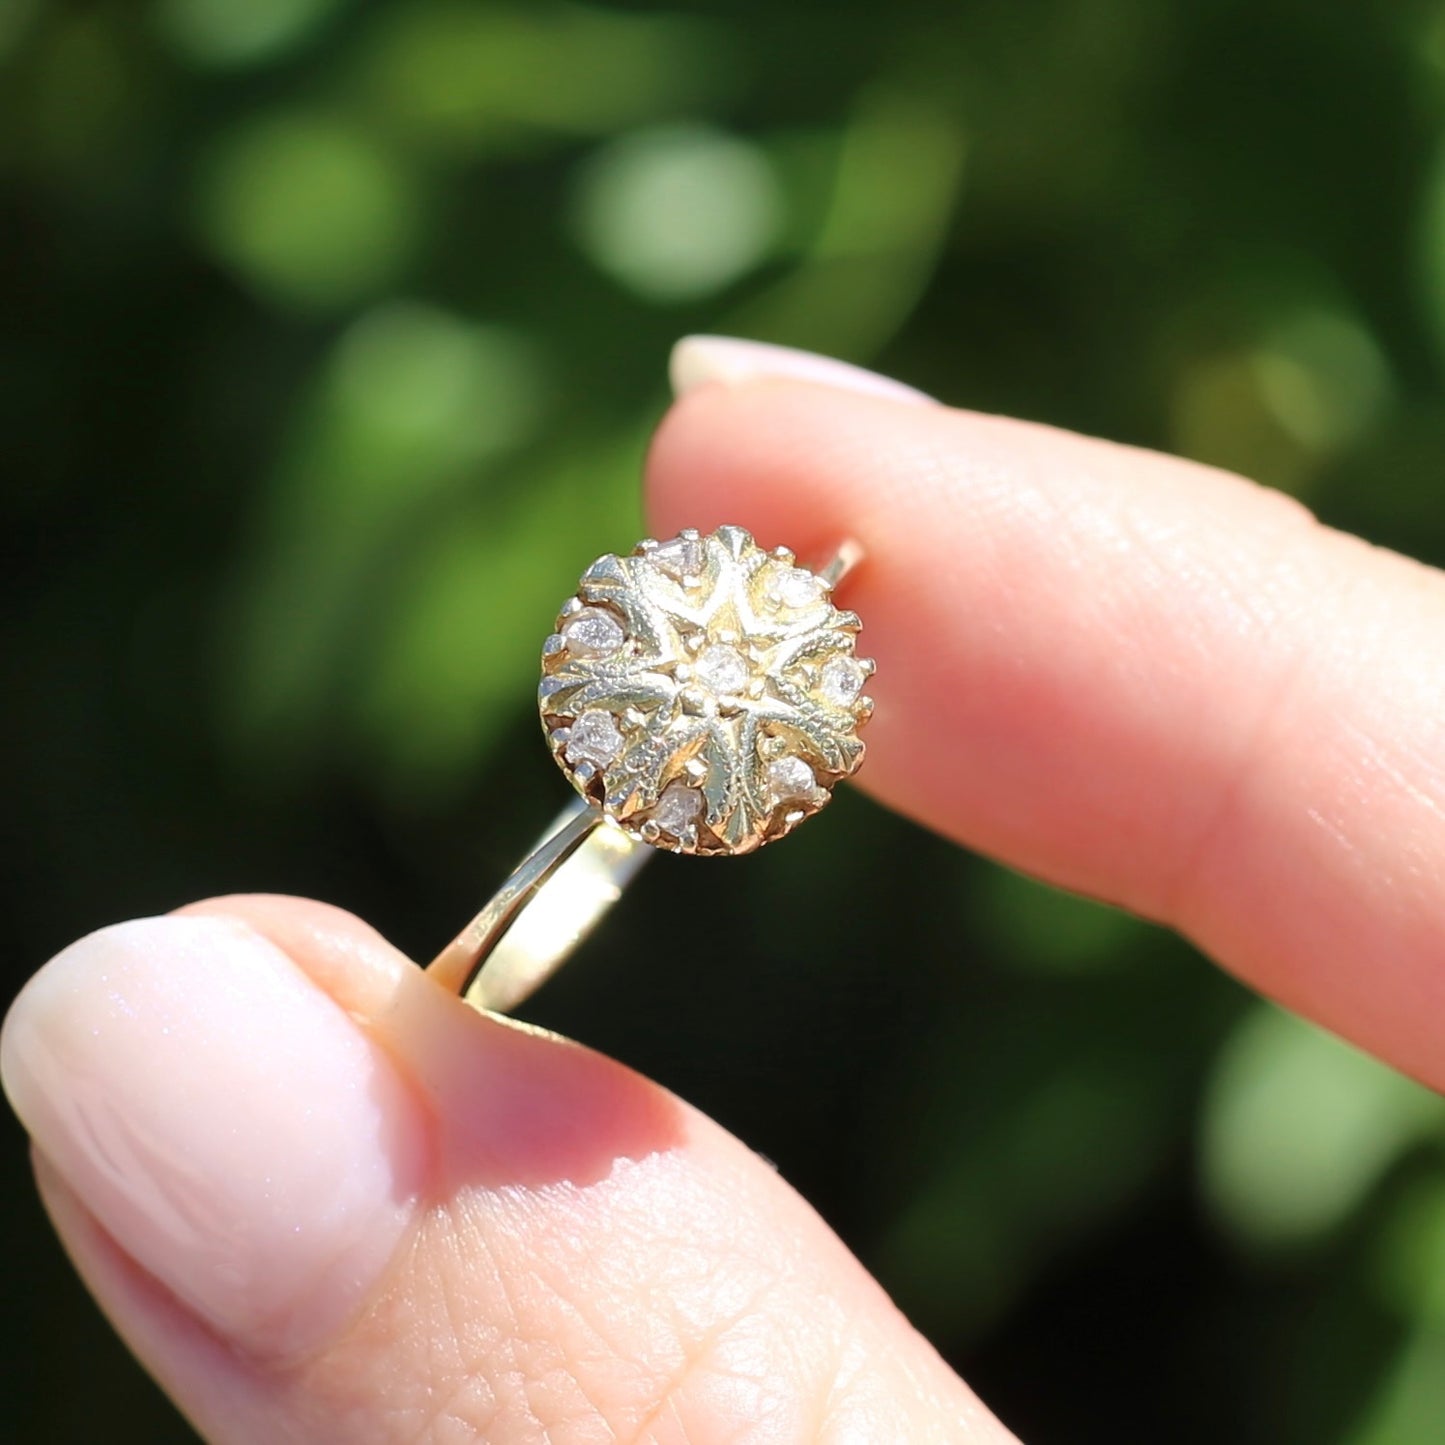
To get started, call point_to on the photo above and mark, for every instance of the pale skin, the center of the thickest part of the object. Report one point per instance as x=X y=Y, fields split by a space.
x=1132 y=676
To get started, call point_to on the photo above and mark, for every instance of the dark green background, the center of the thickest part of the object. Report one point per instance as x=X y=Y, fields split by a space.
x=330 y=337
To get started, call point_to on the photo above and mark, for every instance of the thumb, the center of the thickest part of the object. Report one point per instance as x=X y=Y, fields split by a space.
x=323 y=1199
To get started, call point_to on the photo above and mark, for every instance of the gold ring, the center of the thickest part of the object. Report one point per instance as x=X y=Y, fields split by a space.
x=703 y=695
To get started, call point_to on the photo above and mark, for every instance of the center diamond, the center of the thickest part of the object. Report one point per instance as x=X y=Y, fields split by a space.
x=722 y=670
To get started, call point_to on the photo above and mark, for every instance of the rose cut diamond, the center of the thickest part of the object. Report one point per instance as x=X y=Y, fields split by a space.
x=722 y=669
x=681 y=558
x=797 y=587
x=677 y=808
x=791 y=780
x=592 y=633
x=841 y=680
x=595 y=738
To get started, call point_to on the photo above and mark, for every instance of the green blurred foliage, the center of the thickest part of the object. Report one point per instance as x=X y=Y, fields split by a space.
x=331 y=334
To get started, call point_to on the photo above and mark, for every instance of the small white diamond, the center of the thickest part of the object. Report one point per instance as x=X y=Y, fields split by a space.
x=796 y=587
x=791 y=781
x=841 y=680
x=681 y=558
x=677 y=808
x=594 y=739
x=722 y=669
x=592 y=633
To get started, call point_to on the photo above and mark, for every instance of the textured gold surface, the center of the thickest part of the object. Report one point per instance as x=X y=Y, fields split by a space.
x=704 y=692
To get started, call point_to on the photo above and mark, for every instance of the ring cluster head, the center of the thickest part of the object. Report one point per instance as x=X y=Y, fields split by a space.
x=704 y=692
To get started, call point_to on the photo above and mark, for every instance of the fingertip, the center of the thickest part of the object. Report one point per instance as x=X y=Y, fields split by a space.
x=342 y=954
x=758 y=456
x=507 y=1103
x=697 y=361
x=589 y=1242
x=234 y=1132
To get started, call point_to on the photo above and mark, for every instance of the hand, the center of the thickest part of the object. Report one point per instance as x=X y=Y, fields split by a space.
x=324 y=1200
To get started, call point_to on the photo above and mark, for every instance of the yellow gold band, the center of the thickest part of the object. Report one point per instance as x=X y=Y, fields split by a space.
x=703 y=696
x=509 y=949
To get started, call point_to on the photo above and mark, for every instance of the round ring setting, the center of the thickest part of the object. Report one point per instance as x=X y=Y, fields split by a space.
x=705 y=694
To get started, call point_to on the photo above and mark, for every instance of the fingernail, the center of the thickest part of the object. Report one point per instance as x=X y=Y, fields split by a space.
x=229 y=1126
x=697 y=360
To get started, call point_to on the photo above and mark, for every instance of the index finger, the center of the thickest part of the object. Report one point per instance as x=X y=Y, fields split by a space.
x=1133 y=676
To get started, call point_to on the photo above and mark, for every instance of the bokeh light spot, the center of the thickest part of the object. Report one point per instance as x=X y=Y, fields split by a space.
x=1323 y=377
x=1313 y=382
x=417 y=377
x=1299 y=1126
x=307 y=209
x=679 y=211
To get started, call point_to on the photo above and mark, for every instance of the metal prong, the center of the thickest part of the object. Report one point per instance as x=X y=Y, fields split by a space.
x=842 y=562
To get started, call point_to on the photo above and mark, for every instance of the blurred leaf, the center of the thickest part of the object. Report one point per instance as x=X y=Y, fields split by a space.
x=458 y=657
x=897 y=180
x=1410 y=1405
x=1431 y=253
x=240 y=32
x=469 y=76
x=413 y=402
x=15 y=19
x=1411 y=1253
x=1040 y=1114
x=1052 y=1162
x=1299 y=1127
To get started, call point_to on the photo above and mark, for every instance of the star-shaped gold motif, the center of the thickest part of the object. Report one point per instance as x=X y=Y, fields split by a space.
x=704 y=692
